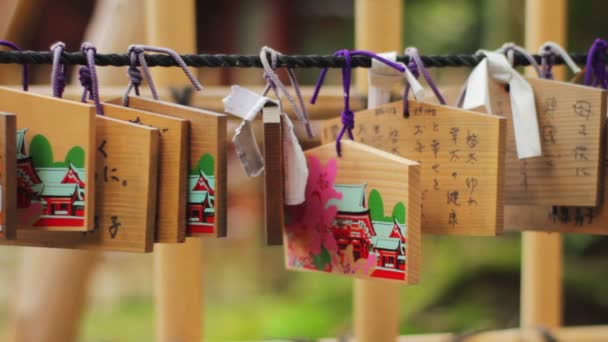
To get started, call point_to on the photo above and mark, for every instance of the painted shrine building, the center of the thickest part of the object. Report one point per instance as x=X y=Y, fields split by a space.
x=59 y=190
x=354 y=227
x=201 y=203
x=390 y=244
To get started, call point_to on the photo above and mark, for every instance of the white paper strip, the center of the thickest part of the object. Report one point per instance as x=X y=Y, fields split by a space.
x=382 y=78
x=247 y=149
x=244 y=103
x=294 y=163
x=525 y=122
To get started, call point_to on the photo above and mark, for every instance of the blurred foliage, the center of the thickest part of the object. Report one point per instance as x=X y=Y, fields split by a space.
x=467 y=283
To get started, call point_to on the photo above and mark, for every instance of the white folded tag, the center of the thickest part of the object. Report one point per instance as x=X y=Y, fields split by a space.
x=295 y=170
x=247 y=149
x=523 y=108
x=382 y=78
x=245 y=103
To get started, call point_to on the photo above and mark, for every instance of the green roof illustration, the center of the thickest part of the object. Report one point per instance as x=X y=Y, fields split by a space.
x=387 y=244
x=193 y=179
x=54 y=175
x=63 y=190
x=197 y=196
x=384 y=229
x=353 y=198
x=79 y=171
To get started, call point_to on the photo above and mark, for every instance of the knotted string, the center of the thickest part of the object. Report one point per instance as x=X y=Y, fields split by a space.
x=415 y=65
x=59 y=69
x=134 y=74
x=137 y=54
x=88 y=77
x=546 y=65
x=595 y=69
x=24 y=73
x=510 y=49
x=270 y=84
x=348 y=117
x=273 y=82
x=495 y=67
x=548 y=52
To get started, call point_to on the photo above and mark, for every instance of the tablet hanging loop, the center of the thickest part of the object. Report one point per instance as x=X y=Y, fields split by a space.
x=59 y=69
x=273 y=82
x=137 y=56
x=135 y=77
x=495 y=67
x=548 y=52
x=88 y=77
x=511 y=49
x=416 y=66
x=348 y=117
x=382 y=78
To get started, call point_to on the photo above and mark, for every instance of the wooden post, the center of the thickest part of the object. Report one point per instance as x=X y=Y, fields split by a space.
x=541 y=273
x=66 y=272
x=178 y=267
x=51 y=294
x=171 y=24
x=378 y=28
x=116 y=17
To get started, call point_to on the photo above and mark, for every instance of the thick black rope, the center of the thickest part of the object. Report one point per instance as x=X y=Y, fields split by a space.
x=240 y=61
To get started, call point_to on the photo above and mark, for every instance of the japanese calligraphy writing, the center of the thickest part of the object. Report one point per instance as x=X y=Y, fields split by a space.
x=570 y=130
x=455 y=149
x=583 y=109
x=472 y=139
x=113 y=229
x=454 y=133
x=109 y=173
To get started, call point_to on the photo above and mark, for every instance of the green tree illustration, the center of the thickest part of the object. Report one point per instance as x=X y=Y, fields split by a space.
x=75 y=156
x=376 y=208
x=42 y=154
x=41 y=151
x=399 y=212
x=376 y=205
x=205 y=163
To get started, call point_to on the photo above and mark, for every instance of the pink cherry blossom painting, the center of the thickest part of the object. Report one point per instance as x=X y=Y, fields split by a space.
x=342 y=226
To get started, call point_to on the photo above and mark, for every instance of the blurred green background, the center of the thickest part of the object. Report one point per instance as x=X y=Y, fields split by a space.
x=467 y=283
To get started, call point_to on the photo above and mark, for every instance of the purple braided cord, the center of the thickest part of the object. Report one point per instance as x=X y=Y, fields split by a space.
x=547 y=60
x=59 y=70
x=135 y=77
x=24 y=73
x=270 y=84
x=88 y=77
x=347 y=115
x=595 y=69
x=273 y=82
x=415 y=65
